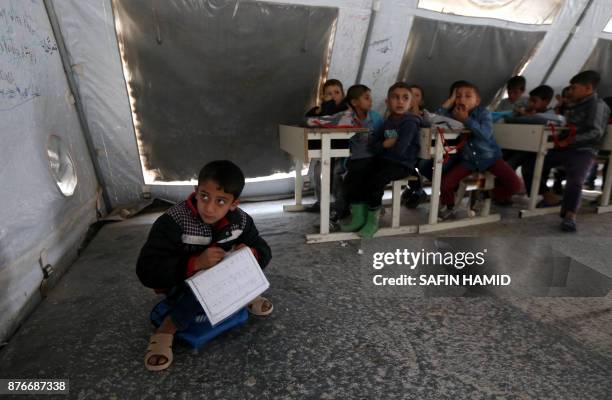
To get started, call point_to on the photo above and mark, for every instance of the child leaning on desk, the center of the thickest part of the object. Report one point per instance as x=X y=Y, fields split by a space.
x=191 y=236
x=515 y=88
x=395 y=146
x=332 y=102
x=536 y=113
x=480 y=152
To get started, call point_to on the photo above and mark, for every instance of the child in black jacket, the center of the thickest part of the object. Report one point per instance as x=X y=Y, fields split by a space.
x=191 y=236
x=395 y=146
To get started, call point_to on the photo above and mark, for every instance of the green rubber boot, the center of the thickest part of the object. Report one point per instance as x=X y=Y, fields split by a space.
x=371 y=225
x=358 y=218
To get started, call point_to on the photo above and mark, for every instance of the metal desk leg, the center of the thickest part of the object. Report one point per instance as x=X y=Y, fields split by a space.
x=532 y=210
x=434 y=204
x=537 y=177
x=298 y=206
x=604 y=205
x=298 y=182
x=325 y=183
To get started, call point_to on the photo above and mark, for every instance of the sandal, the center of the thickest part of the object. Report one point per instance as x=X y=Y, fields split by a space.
x=160 y=344
x=256 y=307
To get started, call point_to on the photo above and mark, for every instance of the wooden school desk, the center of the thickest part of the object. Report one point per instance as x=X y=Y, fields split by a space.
x=535 y=139
x=436 y=152
x=301 y=144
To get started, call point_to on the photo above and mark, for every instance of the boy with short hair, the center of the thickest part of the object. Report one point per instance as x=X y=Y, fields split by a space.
x=515 y=87
x=590 y=116
x=332 y=102
x=537 y=112
x=480 y=152
x=191 y=236
x=395 y=146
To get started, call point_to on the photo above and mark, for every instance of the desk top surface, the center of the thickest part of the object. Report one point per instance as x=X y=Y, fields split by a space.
x=315 y=129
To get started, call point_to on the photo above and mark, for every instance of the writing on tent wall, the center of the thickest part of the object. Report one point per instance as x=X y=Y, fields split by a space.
x=26 y=44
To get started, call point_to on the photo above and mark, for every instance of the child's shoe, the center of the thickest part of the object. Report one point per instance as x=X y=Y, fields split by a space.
x=446 y=214
x=412 y=199
x=371 y=225
x=358 y=218
x=313 y=208
x=568 y=225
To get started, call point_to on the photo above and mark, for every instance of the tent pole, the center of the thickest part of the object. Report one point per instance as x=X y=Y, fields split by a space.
x=366 y=43
x=61 y=45
x=566 y=43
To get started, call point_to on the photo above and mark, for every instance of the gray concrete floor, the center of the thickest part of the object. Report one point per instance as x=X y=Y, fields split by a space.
x=330 y=335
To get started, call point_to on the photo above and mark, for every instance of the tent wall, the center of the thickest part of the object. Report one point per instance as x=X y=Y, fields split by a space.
x=434 y=56
x=391 y=33
x=601 y=60
x=88 y=28
x=89 y=33
x=584 y=39
x=35 y=102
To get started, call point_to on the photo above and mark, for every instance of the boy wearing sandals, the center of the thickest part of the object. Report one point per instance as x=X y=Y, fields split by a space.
x=191 y=236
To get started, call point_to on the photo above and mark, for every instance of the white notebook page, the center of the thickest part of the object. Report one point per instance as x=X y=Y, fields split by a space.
x=229 y=286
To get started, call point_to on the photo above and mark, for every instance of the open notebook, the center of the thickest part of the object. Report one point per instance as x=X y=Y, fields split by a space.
x=228 y=286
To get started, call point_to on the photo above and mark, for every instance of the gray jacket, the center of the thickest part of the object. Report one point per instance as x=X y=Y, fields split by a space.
x=590 y=116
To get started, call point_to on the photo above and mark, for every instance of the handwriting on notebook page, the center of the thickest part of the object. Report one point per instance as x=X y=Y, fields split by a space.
x=230 y=285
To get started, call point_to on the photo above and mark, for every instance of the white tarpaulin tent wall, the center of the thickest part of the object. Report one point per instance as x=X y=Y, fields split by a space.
x=369 y=43
x=41 y=142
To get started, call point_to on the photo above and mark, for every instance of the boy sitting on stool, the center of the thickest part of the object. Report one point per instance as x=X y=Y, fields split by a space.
x=194 y=235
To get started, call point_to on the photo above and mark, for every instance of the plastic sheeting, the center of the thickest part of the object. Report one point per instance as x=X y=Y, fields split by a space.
x=89 y=34
x=582 y=42
x=522 y=11
x=34 y=104
x=439 y=53
x=608 y=27
x=600 y=60
x=209 y=78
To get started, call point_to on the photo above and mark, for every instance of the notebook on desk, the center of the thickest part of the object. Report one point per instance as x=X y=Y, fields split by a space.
x=229 y=286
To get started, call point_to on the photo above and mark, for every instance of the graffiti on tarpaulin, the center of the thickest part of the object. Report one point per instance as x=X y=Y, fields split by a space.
x=17 y=53
x=17 y=95
x=26 y=47
x=7 y=76
x=20 y=93
x=12 y=16
x=48 y=45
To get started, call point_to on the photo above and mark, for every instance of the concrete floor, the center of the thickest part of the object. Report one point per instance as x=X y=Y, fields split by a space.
x=331 y=335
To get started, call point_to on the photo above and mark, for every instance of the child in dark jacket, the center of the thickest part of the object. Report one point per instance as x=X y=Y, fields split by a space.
x=191 y=236
x=536 y=113
x=395 y=147
x=589 y=115
x=332 y=102
x=480 y=153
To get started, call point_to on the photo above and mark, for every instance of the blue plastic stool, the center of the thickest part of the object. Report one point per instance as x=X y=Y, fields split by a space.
x=200 y=332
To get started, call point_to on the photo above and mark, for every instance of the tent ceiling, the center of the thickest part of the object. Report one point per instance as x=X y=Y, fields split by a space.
x=608 y=27
x=521 y=11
